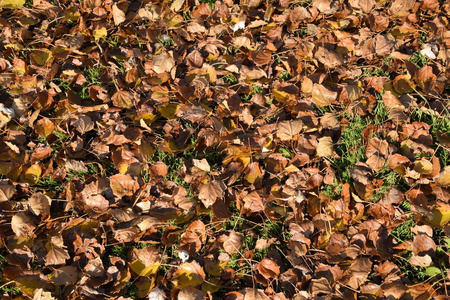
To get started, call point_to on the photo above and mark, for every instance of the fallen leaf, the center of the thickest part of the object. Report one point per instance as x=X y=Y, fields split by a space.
x=210 y=192
x=32 y=174
x=40 y=204
x=44 y=127
x=118 y=15
x=146 y=261
x=100 y=33
x=322 y=96
x=67 y=275
x=325 y=147
x=22 y=225
x=422 y=261
x=123 y=99
x=444 y=177
x=40 y=57
x=163 y=63
x=438 y=214
x=268 y=268
x=189 y=293
x=40 y=294
x=12 y=4
x=123 y=185
x=188 y=274
x=6 y=190
x=423 y=245
x=288 y=130
x=56 y=256
x=232 y=242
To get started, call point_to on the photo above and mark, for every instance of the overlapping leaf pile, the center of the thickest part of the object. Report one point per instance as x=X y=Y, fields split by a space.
x=239 y=150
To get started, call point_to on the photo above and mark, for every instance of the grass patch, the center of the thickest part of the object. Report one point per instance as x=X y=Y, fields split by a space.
x=92 y=76
x=438 y=125
x=10 y=290
x=419 y=59
x=285 y=75
x=333 y=191
x=402 y=233
x=230 y=79
x=211 y=3
x=50 y=185
x=351 y=148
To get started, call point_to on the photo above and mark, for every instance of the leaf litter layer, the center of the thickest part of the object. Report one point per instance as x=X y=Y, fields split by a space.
x=220 y=149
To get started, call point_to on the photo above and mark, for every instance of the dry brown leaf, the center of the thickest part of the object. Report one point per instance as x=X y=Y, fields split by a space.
x=444 y=177
x=83 y=124
x=288 y=130
x=44 y=127
x=123 y=99
x=202 y=165
x=254 y=294
x=210 y=192
x=118 y=15
x=325 y=147
x=320 y=286
x=329 y=59
x=67 y=275
x=22 y=225
x=321 y=96
x=163 y=62
x=123 y=185
x=189 y=293
x=40 y=204
x=7 y=190
x=232 y=242
x=268 y=268
x=376 y=162
x=422 y=261
x=423 y=245
x=96 y=206
x=190 y=242
x=299 y=244
x=56 y=256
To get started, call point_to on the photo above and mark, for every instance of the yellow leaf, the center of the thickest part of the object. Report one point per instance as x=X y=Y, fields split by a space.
x=146 y=262
x=71 y=14
x=169 y=110
x=444 y=177
x=148 y=118
x=175 y=21
x=144 y=286
x=189 y=274
x=100 y=33
x=142 y=270
x=441 y=214
x=44 y=127
x=236 y=154
x=282 y=97
x=32 y=174
x=12 y=3
x=423 y=166
x=253 y=173
x=17 y=47
x=213 y=285
x=123 y=168
x=41 y=57
x=214 y=268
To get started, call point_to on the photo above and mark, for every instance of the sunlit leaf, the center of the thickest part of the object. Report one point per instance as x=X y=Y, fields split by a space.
x=13 y=4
